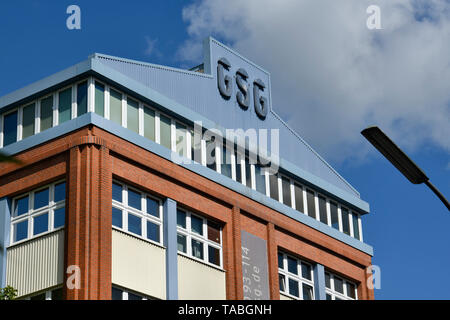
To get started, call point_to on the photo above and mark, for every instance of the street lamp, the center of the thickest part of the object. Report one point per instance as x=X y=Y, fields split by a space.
x=400 y=160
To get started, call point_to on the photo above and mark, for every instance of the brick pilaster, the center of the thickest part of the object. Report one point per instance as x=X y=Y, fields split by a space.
x=272 y=255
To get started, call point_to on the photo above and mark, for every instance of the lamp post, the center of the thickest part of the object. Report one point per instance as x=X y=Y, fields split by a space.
x=400 y=160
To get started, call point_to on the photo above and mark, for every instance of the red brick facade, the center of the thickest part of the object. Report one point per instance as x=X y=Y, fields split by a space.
x=90 y=158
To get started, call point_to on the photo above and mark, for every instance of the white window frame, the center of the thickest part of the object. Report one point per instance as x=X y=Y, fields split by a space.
x=189 y=234
x=32 y=213
x=296 y=277
x=142 y=214
x=335 y=294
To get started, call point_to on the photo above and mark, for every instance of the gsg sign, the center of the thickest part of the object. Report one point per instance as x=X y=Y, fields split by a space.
x=225 y=85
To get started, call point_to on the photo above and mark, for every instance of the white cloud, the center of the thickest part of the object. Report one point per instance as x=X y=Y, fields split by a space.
x=150 y=48
x=331 y=76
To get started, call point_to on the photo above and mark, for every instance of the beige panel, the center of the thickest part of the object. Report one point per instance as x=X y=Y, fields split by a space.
x=36 y=264
x=198 y=281
x=284 y=297
x=138 y=265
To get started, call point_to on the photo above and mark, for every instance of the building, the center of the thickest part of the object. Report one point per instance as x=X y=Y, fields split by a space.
x=102 y=205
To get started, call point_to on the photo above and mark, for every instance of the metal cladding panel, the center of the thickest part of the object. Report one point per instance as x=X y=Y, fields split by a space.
x=37 y=264
x=200 y=93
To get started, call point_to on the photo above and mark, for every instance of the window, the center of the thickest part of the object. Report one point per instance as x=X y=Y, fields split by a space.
x=165 y=135
x=248 y=171
x=286 y=186
x=323 y=210
x=273 y=182
x=260 y=179
x=239 y=157
x=38 y=212
x=311 y=203
x=10 y=128
x=298 y=191
x=46 y=113
x=65 y=105
x=28 y=120
x=115 y=106
x=199 y=238
x=334 y=215
x=196 y=147
x=345 y=221
x=149 y=123
x=136 y=212
x=99 y=99
x=82 y=98
x=181 y=139
x=226 y=162
x=55 y=294
x=133 y=115
x=355 y=219
x=337 y=288
x=121 y=294
x=295 y=277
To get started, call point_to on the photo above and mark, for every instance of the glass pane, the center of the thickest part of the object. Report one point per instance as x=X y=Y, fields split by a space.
x=60 y=191
x=81 y=98
x=65 y=105
x=323 y=210
x=292 y=265
x=181 y=219
x=211 y=153
x=273 y=180
x=282 y=282
x=338 y=285
x=213 y=232
x=41 y=199
x=10 y=128
x=299 y=198
x=293 y=287
x=286 y=185
x=133 y=115
x=59 y=217
x=40 y=296
x=311 y=203
x=226 y=162
x=197 y=225
x=117 y=217
x=149 y=124
x=327 y=280
x=345 y=222
x=153 y=207
x=115 y=106
x=99 y=99
x=134 y=199
x=351 y=290
x=196 y=150
x=214 y=255
x=306 y=271
x=180 y=139
x=46 y=113
x=260 y=179
x=117 y=192
x=132 y=296
x=307 y=292
x=248 y=173
x=329 y=297
x=355 y=226
x=334 y=215
x=116 y=294
x=40 y=224
x=21 y=230
x=134 y=224
x=28 y=121
x=280 y=261
x=57 y=294
x=197 y=249
x=238 y=166
x=165 y=131
x=152 y=231
x=181 y=240
x=21 y=206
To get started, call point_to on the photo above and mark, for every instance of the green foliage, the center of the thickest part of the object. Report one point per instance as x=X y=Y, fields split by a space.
x=8 y=293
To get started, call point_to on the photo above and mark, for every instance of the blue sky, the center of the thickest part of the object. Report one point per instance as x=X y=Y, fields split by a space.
x=337 y=95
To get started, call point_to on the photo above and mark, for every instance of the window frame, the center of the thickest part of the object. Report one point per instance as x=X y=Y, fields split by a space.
x=335 y=294
x=32 y=213
x=296 y=277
